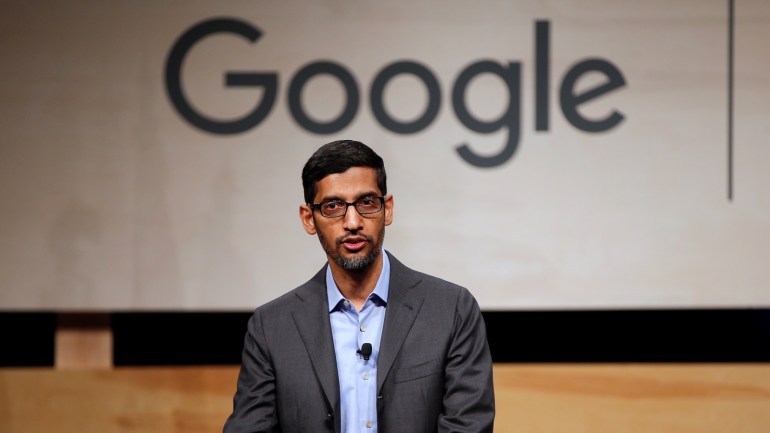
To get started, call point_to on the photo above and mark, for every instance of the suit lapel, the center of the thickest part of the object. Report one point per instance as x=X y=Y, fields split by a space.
x=312 y=320
x=404 y=302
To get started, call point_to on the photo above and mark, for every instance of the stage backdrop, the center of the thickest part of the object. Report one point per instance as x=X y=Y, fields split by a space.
x=547 y=155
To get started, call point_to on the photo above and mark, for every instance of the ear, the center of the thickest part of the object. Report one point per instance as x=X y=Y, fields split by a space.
x=306 y=216
x=388 y=210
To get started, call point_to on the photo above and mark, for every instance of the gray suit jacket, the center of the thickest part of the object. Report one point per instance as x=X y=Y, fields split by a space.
x=434 y=372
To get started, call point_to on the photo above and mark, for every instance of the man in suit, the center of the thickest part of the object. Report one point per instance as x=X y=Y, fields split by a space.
x=367 y=345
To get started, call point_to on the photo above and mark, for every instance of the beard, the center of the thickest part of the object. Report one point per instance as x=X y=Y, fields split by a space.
x=355 y=263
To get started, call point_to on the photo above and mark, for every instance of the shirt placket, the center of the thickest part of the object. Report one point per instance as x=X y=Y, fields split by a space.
x=364 y=372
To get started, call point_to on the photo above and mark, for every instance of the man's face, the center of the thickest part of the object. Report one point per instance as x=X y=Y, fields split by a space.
x=352 y=241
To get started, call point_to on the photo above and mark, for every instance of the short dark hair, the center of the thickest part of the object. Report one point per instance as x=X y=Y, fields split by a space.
x=337 y=157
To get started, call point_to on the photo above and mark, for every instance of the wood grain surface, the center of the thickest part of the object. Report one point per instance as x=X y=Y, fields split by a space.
x=530 y=398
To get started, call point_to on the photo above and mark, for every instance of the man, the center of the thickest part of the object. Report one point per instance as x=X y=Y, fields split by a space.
x=367 y=345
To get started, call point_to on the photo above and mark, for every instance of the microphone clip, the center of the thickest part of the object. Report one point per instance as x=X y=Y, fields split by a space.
x=365 y=351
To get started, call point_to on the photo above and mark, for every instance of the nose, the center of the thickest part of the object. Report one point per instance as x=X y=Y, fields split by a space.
x=353 y=221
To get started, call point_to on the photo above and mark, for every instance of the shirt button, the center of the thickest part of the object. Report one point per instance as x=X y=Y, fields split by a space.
x=368 y=424
x=366 y=376
x=346 y=303
x=363 y=328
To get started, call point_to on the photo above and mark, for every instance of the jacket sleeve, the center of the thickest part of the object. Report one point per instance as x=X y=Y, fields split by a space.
x=469 y=400
x=254 y=404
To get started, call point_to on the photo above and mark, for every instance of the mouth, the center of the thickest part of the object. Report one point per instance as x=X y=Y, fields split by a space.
x=354 y=243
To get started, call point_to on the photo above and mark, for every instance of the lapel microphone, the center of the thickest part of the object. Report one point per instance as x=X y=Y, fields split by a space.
x=365 y=351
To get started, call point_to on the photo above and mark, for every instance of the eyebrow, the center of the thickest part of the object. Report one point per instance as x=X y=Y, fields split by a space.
x=371 y=193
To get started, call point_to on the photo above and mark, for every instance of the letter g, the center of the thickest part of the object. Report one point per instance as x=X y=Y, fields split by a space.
x=174 y=83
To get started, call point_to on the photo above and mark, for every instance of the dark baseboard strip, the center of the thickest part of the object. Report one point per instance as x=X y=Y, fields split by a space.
x=175 y=338
x=27 y=339
x=581 y=336
x=650 y=336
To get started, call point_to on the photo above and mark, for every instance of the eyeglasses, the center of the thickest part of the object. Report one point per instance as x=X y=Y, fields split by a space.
x=337 y=208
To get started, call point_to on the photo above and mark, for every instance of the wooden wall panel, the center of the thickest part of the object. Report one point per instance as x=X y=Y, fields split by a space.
x=633 y=398
x=530 y=399
x=136 y=400
x=83 y=341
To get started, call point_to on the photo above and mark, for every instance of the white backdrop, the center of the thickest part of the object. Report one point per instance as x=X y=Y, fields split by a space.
x=110 y=200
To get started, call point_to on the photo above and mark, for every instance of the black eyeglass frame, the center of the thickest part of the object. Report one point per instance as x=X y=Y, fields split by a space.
x=317 y=206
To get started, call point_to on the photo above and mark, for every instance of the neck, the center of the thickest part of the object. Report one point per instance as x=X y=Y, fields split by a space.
x=357 y=285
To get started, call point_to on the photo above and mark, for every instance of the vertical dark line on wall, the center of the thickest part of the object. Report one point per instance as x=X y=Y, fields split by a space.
x=542 y=74
x=730 y=85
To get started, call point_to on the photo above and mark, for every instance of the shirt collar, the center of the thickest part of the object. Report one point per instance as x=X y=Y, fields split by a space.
x=381 y=289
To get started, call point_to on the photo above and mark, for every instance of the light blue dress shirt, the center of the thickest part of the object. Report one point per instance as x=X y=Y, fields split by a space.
x=350 y=330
